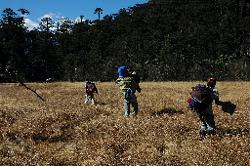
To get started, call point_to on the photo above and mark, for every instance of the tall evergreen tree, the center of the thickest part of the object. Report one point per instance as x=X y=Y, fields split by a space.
x=98 y=11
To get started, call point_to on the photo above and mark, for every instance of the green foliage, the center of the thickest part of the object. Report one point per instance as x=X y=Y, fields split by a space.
x=161 y=40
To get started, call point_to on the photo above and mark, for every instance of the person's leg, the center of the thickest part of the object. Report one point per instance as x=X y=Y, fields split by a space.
x=92 y=99
x=126 y=107
x=210 y=123
x=207 y=124
x=86 y=99
x=134 y=104
x=203 y=127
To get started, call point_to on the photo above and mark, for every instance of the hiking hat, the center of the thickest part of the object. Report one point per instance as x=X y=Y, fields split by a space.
x=122 y=71
x=211 y=82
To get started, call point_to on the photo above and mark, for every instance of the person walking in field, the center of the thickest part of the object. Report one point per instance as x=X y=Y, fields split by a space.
x=128 y=86
x=90 y=89
x=202 y=97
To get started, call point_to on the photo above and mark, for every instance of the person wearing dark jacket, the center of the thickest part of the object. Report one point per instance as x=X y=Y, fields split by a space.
x=90 y=89
x=204 y=108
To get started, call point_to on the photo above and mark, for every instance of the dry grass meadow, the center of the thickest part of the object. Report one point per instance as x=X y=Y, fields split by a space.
x=64 y=131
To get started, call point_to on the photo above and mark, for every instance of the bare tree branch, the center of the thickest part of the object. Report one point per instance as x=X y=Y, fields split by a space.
x=34 y=91
x=14 y=76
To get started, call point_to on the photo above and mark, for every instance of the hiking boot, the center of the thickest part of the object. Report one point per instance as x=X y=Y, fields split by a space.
x=211 y=132
x=202 y=134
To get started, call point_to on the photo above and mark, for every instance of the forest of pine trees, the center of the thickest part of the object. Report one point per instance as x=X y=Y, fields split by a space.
x=161 y=40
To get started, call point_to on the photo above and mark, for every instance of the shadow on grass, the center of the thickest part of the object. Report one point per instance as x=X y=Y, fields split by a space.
x=12 y=137
x=168 y=111
x=228 y=107
x=233 y=132
x=100 y=103
x=51 y=139
x=63 y=136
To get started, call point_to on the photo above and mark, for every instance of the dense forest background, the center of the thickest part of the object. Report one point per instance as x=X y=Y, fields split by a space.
x=161 y=40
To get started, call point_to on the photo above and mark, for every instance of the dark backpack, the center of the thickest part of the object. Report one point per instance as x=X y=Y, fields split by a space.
x=200 y=97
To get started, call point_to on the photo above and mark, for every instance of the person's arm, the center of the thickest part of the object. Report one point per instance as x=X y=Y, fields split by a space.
x=216 y=97
x=217 y=102
x=137 y=86
x=85 y=86
x=95 y=89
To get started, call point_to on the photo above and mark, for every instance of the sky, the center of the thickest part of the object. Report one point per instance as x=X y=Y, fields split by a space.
x=66 y=8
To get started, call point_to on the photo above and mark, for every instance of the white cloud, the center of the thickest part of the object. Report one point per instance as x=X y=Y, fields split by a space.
x=78 y=19
x=57 y=18
x=30 y=24
x=63 y=19
x=53 y=16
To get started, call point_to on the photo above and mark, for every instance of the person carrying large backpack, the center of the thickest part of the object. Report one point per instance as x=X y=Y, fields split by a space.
x=128 y=86
x=202 y=97
x=90 y=89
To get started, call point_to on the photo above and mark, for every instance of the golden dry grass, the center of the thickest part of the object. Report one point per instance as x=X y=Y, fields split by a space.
x=64 y=131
